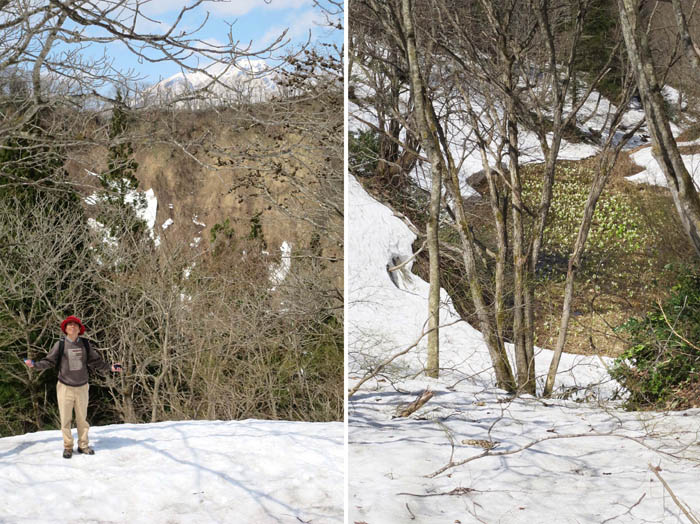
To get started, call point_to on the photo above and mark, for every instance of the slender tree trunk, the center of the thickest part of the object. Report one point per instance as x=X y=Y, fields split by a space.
x=607 y=161
x=522 y=319
x=499 y=208
x=664 y=147
x=494 y=343
x=574 y=262
x=437 y=167
x=498 y=199
x=494 y=336
x=524 y=362
x=692 y=52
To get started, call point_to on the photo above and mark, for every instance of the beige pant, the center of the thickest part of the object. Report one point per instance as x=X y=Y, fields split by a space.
x=70 y=398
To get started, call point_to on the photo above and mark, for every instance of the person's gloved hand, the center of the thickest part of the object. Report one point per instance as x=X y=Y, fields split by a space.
x=116 y=368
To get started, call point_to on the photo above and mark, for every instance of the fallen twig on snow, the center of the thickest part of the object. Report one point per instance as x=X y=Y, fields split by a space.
x=629 y=510
x=683 y=508
x=456 y=491
x=488 y=452
x=414 y=406
x=374 y=372
x=413 y=517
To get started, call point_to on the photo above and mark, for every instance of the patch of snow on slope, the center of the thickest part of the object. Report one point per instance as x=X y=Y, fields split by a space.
x=474 y=454
x=653 y=175
x=107 y=238
x=281 y=270
x=179 y=472
x=147 y=214
x=386 y=314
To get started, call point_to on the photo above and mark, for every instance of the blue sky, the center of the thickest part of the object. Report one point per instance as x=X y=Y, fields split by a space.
x=252 y=22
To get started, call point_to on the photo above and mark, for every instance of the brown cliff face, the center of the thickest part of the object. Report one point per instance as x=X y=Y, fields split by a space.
x=256 y=168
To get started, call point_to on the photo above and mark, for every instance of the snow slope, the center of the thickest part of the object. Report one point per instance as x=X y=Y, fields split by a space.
x=249 y=471
x=385 y=315
x=552 y=460
x=652 y=173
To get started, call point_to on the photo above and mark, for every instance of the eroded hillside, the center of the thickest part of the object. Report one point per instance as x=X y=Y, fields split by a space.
x=244 y=171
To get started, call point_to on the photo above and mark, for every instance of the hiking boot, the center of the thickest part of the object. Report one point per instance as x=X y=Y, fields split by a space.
x=67 y=453
x=86 y=451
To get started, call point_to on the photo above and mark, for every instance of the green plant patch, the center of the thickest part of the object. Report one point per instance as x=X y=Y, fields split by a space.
x=618 y=224
x=663 y=358
x=363 y=149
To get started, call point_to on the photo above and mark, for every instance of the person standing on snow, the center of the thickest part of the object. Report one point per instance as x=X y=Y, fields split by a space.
x=76 y=359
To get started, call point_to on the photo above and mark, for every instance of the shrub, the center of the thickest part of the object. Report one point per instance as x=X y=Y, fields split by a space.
x=664 y=356
x=363 y=148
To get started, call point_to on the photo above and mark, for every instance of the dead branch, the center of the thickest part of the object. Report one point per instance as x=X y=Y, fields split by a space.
x=409 y=259
x=629 y=510
x=673 y=330
x=414 y=406
x=488 y=452
x=683 y=507
x=454 y=492
x=374 y=372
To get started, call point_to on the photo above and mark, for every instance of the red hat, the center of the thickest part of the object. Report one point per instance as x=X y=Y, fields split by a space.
x=75 y=320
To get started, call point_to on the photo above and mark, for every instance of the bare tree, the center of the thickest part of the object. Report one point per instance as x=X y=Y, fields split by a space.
x=396 y=18
x=665 y=149
x=44 y=270
x=58 y=89
x=499 y=70
x=521 y=64
x=607 y=158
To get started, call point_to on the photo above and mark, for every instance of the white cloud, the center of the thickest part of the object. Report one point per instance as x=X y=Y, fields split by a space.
x=298 y=25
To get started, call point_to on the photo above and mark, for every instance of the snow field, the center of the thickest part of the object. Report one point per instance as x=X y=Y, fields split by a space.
x=178 y=472
x=588 y=478
x=553 y=460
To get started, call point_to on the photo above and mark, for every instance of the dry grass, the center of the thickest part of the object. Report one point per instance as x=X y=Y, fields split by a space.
x=689 y=150
x=690 y=134
x=215 y=187
x=625 y=166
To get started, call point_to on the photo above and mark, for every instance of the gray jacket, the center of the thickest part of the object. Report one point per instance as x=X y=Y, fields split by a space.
x=75 y=363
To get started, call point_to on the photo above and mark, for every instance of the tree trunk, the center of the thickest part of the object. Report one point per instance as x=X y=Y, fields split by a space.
x=607 y=161
x=436 y=169
x=524 y=362
x=494 y=342
x=691 y=51
x=574 y=262
x=664 y=147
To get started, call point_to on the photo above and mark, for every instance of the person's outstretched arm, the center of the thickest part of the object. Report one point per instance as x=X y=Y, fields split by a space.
x=95 y=362
x=47 y=362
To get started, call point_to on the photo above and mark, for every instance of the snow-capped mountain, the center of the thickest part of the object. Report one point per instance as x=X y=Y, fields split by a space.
x=247 y=81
